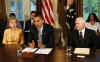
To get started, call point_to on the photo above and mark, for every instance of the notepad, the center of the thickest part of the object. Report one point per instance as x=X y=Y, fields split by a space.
x=85 y=51
x=29 y=50
x=44 y=51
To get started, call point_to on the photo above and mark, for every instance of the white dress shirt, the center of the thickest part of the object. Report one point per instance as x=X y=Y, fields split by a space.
x=83 y=32
x=40 y=34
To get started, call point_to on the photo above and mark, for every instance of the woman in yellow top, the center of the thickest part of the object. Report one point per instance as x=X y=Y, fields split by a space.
x=13 y=35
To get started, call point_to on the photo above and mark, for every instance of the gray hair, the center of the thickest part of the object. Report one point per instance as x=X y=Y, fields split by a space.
x=82 y=21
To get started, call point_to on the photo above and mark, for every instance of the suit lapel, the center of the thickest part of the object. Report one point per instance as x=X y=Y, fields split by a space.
x=43 y=32
x=77 y=35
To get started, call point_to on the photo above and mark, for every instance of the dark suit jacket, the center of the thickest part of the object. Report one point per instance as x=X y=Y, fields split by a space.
x=47 y=36
x=27 y=25
x=27 y=28
x=89 y=41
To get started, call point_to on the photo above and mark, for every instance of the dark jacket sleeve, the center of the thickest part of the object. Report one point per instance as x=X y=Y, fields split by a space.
x=95 y=39
x=30 y=37
x=70 y=40
x=50 y=39
x=27 y=25
x=33 y=35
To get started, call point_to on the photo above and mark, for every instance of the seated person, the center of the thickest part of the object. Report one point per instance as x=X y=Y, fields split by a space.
x=30 y=21
x=81 y=37
x=13 y=34
x=28 y=25
x=41 y=35
x=93 y=23
x=12 y=15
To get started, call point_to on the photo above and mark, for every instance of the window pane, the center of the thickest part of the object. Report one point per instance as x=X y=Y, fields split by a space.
x=20 y=9
x=33 y=5
x=90 y=6
x=13 y=5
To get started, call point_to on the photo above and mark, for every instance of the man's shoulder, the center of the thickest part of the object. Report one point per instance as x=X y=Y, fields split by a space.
x=72 y=31
x=47 y=25
x=89 y=30
x=28 y=21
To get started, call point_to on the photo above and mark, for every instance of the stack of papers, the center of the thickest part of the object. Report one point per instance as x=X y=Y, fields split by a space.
x=44 y=51
x=85 y=51
x=29 y=50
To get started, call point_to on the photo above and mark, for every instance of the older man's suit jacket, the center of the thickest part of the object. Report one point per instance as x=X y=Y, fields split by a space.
x=47 y=36
x=89 y=41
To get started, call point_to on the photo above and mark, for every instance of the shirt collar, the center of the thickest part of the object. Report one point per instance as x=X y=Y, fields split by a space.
x=83 y=30
x=40 y=30
x=31 y=21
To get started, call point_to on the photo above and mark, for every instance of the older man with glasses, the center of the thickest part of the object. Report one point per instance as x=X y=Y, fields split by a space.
x=81 y=37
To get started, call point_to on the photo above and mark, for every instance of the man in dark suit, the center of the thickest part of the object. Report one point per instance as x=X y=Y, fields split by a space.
x=41 y=35
x=82 y=37
x=28 y=25
x=30 y=21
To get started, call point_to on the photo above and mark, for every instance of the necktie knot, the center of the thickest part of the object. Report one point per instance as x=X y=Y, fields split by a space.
x=80 y=33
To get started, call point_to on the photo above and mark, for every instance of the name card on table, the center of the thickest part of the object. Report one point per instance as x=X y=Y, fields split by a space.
x=44 y=51
x=83 y=51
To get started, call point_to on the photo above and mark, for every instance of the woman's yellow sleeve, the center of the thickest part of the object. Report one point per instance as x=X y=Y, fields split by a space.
x=22 y=38
x=5 y=37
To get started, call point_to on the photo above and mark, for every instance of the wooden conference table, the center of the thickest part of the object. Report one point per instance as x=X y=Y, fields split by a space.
x=9 y=55
x=91 y=58
x=57 y=55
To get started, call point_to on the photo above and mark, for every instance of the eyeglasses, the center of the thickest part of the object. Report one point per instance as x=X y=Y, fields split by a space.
x=32 y=16
x=36 y=20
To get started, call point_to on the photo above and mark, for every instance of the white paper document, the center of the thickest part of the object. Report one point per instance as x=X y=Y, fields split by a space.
x=44 y=51
x=81 y=56
x=82 y=51
x=27 y=31
x=29 y=50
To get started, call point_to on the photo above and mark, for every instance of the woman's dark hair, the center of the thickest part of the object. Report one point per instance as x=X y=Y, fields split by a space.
x=95 y=17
